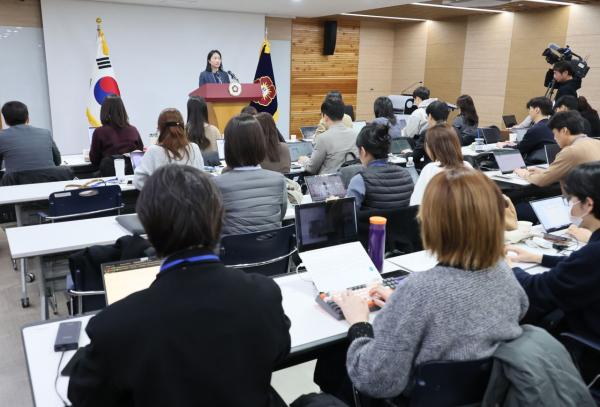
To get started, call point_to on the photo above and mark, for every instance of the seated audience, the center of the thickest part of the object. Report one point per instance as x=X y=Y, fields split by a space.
x=417 y=122
x=160 y=346
x=591 y=115
x=532 y=145
x=173 y=147
x=116 y=136
x=572 y=284
x=255 y=199
x=576 y=148
x=336 y=145
x=384 y=114
x=346 y=119
x=566 y=103
x=198 y=129
x=442 y=145
x=24 y=147
x=462 y=309
x=379 y=185
x=467 y=121
x=277 y=154
x=437 y=114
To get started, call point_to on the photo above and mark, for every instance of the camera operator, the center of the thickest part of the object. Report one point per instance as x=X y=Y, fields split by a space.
x=564 y=80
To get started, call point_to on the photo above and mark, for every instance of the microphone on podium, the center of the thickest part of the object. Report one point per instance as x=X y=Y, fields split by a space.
x=233 y=76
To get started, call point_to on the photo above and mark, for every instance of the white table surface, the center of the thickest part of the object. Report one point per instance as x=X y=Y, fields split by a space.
x=15 y=194
x=74 y=160
x=311 y=326
x=51 y=238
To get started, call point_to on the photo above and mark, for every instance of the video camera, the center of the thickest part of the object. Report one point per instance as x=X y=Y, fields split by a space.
x=554 y=54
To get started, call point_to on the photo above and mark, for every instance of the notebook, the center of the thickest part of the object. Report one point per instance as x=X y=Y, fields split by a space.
x=509 y=160
x=328 y=245
x=551 y=151
x=553 y=213
x=123 y=278
x=321 y=187
x=299 y=148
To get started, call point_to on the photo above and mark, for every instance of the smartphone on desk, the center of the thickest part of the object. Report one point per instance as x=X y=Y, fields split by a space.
x=555 y=238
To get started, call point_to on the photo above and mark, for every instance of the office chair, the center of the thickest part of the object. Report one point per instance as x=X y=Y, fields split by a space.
x=441 y=384
x=349 y=110
x=266 y=253
x=83 y=203
x=586 y=356
x=402 y=231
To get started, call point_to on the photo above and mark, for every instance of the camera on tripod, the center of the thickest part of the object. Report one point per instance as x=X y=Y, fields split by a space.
x=554 y=54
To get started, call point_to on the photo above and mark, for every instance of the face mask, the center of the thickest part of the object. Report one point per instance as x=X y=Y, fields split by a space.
x=575 y=220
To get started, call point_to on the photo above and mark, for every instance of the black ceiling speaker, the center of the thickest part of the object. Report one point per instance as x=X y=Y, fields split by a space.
x=330 y=35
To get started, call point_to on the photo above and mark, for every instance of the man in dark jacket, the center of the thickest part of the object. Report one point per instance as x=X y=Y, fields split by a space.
x=201 y=334
x=564 y=80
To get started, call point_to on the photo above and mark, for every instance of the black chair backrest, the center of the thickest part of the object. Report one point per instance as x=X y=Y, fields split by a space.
x=349 y=110
x=85 y=201
x=444 y=383
x=258 y=247
x=107 y=166
x=402 y=231
x=51 y=174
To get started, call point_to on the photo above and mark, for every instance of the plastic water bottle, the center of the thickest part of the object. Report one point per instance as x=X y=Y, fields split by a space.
x=410 y=162
x=479 y=141
x=120 y=169
x=377 y=240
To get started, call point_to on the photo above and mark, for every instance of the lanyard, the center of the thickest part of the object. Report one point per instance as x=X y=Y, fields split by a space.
x=195 y=259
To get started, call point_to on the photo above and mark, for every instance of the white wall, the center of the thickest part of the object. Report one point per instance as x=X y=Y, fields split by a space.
x=23 y=72
x=157 y=54
x=281 y=52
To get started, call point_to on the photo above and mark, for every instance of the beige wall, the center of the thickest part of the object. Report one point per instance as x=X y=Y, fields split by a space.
x=485 y=67
x=410 y=50
x=20 y=13
x=375 y=65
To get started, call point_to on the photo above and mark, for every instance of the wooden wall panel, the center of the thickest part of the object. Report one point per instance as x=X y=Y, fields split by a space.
x=20 y=13
x=583 y=36
x=410 y=49
x=532 y=32
x=485 y=66
x=375 y=64
x=314 y=74
x=445 y=56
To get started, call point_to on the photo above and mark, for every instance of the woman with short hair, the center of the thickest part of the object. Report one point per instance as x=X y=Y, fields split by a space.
x=461 y=309
x=172 y=147
x=116 y=136
x=255 y=199
x=277 y=153
x=443 y=147
x=198 y=129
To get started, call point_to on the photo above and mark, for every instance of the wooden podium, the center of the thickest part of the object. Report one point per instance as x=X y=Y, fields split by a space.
x=222 y=106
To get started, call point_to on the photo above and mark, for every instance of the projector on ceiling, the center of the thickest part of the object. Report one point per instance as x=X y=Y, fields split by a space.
x=476 y=3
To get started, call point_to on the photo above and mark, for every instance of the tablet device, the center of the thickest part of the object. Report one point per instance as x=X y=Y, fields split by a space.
x=322 y=187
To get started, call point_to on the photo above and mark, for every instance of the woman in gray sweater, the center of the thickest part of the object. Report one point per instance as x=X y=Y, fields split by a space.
x=462 y=309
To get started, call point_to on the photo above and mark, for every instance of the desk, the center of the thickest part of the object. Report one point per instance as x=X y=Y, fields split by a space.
x=508 y=178
x=311 y=327
x=74 y=160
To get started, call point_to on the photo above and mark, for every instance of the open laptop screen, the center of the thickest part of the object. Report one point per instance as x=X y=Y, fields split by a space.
x=398 y=145
x=324 y=224
x=136 y=158
x=299 y=148
x=551 y=151
x=123 y=278
x=509 y=120
x=308 y=132
x=322 y=187
x=490 y=134
x=553 y=213
x=358 y=126
x=508 y=161
x=221 y=148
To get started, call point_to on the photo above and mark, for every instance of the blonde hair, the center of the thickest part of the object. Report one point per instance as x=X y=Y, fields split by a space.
x=462 y=219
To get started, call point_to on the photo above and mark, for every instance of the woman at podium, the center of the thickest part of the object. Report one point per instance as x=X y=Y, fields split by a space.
x=214 y=70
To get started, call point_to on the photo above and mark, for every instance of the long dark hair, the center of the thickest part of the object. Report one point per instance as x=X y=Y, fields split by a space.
x=172 y=134
x=467 y=109
x=210 y=54
x=271 y=135
x=584 y=106
x=383 y=107
x=197 y=116
x=113 y=113
x=374 y=138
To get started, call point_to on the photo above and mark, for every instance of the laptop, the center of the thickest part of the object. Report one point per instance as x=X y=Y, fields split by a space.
x=358 y=126
x=321 y=187
x=553 y=213
x=399 y=145
x=327 y=237
x=308 y=132
x=509 y=160
x=221 y=148
x=131 y=223
x=136 y=158
x=551 y=151
x=509 y=120
x=491 y=135
x=123 y=278
x=299 y=148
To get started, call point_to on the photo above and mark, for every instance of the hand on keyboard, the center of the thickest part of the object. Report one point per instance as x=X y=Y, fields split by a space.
x=380 y=294
x=354 y=306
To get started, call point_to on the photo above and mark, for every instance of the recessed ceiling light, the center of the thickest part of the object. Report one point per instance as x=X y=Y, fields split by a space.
x=384 y=17
x=485 y=10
